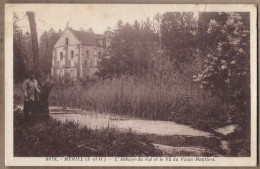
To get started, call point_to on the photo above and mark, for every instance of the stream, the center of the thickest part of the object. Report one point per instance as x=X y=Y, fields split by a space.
x=170 y=137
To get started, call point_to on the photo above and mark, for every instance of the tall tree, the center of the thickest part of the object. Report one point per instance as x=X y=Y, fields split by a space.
x=132 y=50
x=35 y=48
x=178 y=37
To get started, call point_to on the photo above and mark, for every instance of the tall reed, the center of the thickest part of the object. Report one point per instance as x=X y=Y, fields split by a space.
x=150 y=98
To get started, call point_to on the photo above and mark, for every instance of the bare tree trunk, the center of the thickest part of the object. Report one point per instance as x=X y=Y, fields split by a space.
x=35 y=48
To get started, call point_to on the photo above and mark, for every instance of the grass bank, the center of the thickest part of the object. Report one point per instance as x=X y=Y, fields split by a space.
x=55 y=139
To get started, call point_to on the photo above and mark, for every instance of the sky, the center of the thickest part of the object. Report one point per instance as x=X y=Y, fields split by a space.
x=100 y=16
x=97 y=17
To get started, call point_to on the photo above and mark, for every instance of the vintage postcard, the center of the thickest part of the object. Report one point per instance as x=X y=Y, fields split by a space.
x=130 y=85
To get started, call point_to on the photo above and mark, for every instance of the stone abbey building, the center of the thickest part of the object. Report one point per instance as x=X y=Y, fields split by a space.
x=77 y=53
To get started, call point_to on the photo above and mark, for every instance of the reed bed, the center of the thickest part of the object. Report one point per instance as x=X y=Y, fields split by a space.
x=174 y=99
x=158 y=98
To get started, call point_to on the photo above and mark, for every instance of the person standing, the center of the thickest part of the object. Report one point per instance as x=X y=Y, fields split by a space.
x=31 y=93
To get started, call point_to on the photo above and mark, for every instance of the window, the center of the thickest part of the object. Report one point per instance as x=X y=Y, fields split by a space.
x=91 y=63
x=67 y=41
x=72 y=54
x=99 y=55
x=85 y=62
x=61 y=55
x=87 y=53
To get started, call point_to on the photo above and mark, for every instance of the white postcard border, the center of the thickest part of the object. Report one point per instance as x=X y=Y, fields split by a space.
x=10 y=160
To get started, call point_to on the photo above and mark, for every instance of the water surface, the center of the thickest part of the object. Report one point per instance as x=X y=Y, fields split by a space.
x=170 y=137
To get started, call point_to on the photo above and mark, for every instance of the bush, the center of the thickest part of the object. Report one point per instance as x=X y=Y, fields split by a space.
x=226 y=67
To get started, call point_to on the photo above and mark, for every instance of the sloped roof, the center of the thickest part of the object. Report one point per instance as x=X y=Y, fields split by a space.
x=87 y=38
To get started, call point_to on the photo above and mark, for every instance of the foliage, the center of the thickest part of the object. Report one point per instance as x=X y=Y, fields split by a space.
x=46 y=46
x=55 y=139
x=22 y=54
x=226 y=66
x=178 y=37
x=206 y=41
x=132 y=50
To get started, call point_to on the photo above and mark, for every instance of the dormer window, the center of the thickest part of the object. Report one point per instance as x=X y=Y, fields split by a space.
x=67 y=41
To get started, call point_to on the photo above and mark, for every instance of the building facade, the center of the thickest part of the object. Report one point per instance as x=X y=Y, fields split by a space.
x=77 y=53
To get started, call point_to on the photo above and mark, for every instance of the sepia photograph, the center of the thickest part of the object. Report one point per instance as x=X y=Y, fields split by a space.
x=129 y=83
